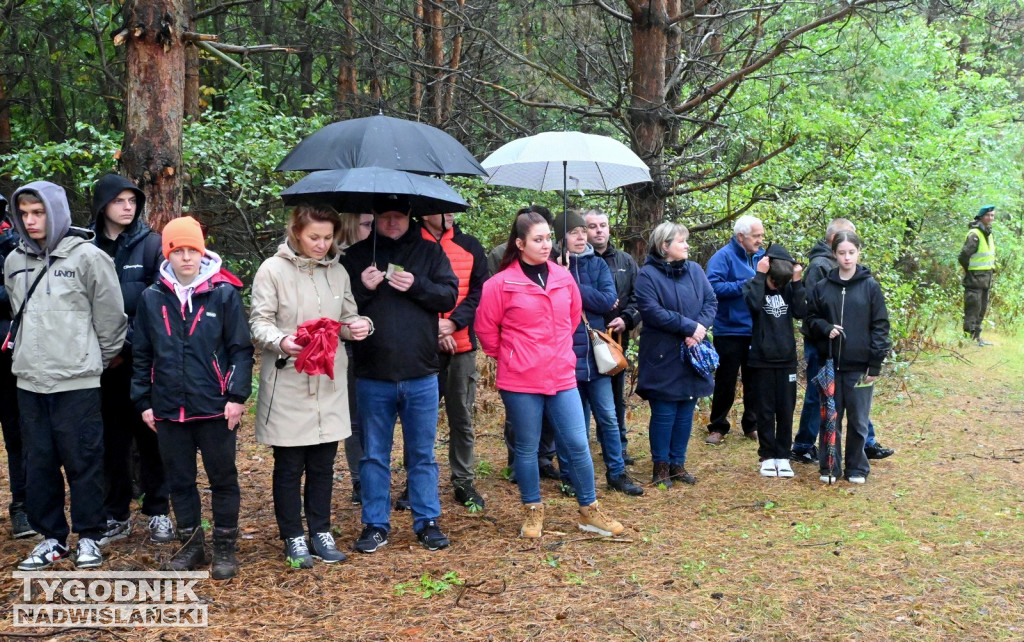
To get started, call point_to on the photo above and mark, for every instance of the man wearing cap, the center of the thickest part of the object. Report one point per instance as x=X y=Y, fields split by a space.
x=978 y=259
x=72 y=325
x=402 y=282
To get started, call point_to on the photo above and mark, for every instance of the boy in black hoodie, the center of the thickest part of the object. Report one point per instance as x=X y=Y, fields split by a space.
x=775 y=297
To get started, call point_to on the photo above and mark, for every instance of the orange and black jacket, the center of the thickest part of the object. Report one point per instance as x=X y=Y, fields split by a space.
x=469 y=262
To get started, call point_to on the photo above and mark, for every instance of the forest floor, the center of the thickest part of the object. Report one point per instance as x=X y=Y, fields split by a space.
x=928 y=549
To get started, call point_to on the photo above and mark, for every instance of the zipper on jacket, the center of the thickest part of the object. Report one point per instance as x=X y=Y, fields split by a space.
x=195 y=322
x=167 y=321
x=216 y=368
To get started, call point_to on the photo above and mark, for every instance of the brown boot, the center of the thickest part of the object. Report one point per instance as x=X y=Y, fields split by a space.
x=533 y=525
x=594 y=521
x=662 y=476
x=679 y=474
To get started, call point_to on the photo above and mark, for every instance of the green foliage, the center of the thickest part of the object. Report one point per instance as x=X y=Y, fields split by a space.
x=428 y=587
x=483 y=468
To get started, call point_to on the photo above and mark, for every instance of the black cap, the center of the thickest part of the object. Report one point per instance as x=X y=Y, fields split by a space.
x=777 y=251
x=391 y=203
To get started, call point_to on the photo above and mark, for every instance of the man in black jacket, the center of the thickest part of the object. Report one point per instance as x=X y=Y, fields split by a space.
x=121 y=232
x=402 y=282
x=621 y=320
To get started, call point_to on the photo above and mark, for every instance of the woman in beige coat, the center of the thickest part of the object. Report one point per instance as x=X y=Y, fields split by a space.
x=301 y=416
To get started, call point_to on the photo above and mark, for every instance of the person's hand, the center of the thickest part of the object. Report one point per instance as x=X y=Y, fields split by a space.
x=798 y=271
x=371 y=277
x=763 y=264
x=359 y=329
x=149 y=419
x=445 y=327
x=870 y=378
x=289 y=347
x=690 y=342
x=115 y=362
x=446 y=344
x=616 y=325
x=699 y=334
x=401 y=281
x=836 y=331
x=233 y=413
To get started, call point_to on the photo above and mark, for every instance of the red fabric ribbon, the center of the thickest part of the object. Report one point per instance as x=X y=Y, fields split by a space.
x=319 y=341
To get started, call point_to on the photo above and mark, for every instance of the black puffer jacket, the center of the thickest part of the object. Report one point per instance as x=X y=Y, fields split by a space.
x=404 y=342
x=624 y=271
x=858 y=306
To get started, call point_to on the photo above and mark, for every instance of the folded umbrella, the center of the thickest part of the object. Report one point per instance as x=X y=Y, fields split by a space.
x=319 y=341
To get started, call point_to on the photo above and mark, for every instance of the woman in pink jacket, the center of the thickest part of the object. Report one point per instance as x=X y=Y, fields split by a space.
x=525 y=320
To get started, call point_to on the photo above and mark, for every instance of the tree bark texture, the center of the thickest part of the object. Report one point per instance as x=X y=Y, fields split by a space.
x=347 y=86
x=151 y=154
x=5 y=118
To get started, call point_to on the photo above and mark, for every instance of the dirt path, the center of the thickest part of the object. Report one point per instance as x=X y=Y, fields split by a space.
x=928 y=549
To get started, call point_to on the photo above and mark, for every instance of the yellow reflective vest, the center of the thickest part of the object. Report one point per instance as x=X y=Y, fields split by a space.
x=985 y=257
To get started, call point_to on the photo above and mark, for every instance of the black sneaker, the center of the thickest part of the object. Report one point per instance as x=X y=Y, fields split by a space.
x=466 y=495
x=548 y=471
x=371 y=539
x=402 y=503
x=357 y=493
x=432 y=538
x=19 y=522
x=624 y=484
x=324 y=548
x=296 y=552
x=878 y=451
x=806 y=457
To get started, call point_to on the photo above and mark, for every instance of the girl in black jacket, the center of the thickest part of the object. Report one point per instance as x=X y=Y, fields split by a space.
x=849 y=323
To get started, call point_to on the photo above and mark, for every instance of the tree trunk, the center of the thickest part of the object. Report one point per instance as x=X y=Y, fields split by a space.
x=347 y=91
x=155 y=61
x=435 y=59
x=5 y=118
x=453 y=64
x=416 y=95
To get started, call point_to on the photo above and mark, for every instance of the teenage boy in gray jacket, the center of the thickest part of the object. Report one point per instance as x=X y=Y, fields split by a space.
x=72 y=325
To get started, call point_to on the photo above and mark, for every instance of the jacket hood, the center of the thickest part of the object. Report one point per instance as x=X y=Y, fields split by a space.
x=673 y=269
x=209 y=267
x=859 y=275
x=589 y=251
x=821 y=250
x=285 y=251
x=58 y=215
x=977 y=225
x=107 y=189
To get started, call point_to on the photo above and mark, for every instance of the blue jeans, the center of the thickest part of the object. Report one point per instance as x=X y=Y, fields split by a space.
x=670 y=427
x=597 y=396
x=810 y=415
x=564 y=410
x=380 y=403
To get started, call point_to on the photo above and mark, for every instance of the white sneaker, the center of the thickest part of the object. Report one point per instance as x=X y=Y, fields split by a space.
x=856 y=479
x=785 y=470
x=768 y=468
x=827 y=479
x=89 y=555
x=161 y=530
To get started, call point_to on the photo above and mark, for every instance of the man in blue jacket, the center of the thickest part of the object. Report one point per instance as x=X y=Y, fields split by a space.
x=727 y=271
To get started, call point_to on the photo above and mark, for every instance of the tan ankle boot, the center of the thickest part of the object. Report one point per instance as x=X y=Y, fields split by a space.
x=594 y=521
x=533 y=525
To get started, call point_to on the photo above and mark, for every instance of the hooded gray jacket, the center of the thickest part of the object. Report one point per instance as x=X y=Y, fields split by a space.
x=74 y=323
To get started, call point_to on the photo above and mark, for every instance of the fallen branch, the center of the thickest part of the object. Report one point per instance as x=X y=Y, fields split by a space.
x=837 y=542
x=476 y=587
x=71 y=629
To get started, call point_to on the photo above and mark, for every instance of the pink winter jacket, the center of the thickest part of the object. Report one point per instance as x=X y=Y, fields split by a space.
x=528 y=329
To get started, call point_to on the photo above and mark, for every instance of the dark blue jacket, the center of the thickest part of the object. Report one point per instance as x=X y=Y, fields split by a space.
x=728 y=269
x=672 y=299
x=597 y=290
x=8 y=241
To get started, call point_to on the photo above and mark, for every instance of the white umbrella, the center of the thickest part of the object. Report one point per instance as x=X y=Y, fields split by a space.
x=560 y=160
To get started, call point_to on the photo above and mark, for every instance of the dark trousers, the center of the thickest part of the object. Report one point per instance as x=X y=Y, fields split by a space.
x=618 y=392
x=178 y=444
x=290 y=463
x=732 y=357
x=121 y=424
x=354 y=442
x=773 y=393
x=975 y=306
x=63 y=429
x=10 y=421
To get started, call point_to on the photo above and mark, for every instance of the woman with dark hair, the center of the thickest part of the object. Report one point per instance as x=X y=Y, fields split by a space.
x=526 y=319
x=677 y=306
x=303 y=416
x=849 y=323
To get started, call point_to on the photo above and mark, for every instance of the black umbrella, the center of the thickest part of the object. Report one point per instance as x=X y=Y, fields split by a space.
x=382 y=141
x=353 y=190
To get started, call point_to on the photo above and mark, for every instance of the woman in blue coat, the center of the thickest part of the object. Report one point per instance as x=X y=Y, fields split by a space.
x=677 y=306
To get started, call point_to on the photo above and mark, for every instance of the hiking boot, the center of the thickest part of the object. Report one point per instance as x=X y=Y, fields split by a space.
x=432 y=538
x=661 y=474
x=533 y=525
x=192 y=552
x=88 y=554
x=627 y=459
x=594 y=521
x=624 y=484
x=548 y=471
x=856 y=479
x=116 y=529
x=878 y=451
x=768 y=468
x=785 y=470
x=806 y=456
x=402 y=503
x=371 y=539
x=19 y=521
x=357 y=493
x=714 y=438
x=44 y=555
x=225 y=565
x=296 y=552
x=161 y=530
x=324 y=548
x=466 y=495
x=679 y=473
x=752 y=435
x=567 y=489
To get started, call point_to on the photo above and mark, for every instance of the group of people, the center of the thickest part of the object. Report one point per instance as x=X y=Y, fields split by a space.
x=118 y=335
